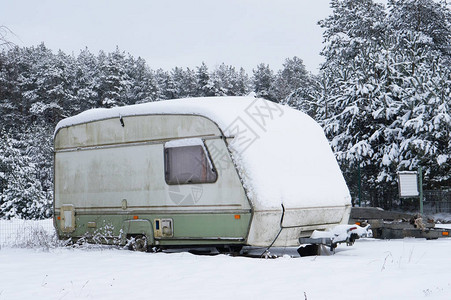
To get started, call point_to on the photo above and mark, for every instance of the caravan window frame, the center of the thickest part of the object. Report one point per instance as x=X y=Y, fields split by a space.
x=202 y=173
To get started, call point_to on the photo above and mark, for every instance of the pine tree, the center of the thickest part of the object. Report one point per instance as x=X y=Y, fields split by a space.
x=423 y=35
x=386 y=80
x=189 y=83
x=86 y=82
x=177 y=83
x=205 y=86
x=291 y=80
x=54 y=78
x=21 y=194
x=143 y=85
x=114 y=80
x=165 y=85
x=243 y=84
x=263 y=80
x=429 y=20
x=10 y=104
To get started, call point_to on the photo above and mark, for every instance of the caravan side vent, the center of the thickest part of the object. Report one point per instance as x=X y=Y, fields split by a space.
x=163 y=228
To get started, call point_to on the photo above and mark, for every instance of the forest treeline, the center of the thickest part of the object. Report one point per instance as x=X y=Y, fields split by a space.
x=382 y=96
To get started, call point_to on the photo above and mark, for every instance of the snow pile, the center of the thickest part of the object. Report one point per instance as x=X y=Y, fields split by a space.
x=406 y=269
x=441 y=217
x=342 y=233
x=281 y=154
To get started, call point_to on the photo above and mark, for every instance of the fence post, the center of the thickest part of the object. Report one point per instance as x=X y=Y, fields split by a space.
x=360 y=186
x=420 y=183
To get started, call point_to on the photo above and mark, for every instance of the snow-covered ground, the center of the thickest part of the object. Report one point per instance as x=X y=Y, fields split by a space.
x=371 y=269
x=445 y=226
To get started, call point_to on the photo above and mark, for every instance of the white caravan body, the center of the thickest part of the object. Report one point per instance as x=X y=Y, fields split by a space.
x=269 y=161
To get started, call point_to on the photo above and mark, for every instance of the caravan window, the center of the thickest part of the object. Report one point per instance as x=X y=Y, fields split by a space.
x=187 y=161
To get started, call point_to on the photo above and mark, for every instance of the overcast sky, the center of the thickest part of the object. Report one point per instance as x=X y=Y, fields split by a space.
x=175 y=32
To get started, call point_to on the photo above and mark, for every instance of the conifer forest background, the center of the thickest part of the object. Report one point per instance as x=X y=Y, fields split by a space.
x=382 y=95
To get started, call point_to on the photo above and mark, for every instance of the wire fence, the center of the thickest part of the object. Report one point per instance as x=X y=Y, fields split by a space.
x=22 y=233
x=434 y=201
x=437 y=201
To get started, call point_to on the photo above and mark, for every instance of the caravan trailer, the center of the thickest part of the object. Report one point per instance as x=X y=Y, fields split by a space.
x=222 y=171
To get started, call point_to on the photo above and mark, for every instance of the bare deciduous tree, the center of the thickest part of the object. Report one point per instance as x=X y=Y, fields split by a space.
x=4 y=42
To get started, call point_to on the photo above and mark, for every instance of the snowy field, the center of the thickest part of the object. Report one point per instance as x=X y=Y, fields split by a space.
x=371 y=269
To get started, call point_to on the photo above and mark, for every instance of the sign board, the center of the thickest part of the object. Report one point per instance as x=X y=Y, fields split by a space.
x=408 y=184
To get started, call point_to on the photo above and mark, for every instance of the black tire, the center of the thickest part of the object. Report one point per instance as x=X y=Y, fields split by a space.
x=138 y=243
x=309 y=250
x=230 y=249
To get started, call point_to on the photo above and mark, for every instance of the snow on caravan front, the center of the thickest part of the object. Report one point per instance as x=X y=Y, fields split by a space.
x=223 y=171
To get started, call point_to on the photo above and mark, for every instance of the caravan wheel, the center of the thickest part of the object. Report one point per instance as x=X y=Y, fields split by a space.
x=138 y=243
x=232 y=249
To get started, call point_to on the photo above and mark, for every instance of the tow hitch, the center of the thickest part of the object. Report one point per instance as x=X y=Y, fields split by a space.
x=340 y=234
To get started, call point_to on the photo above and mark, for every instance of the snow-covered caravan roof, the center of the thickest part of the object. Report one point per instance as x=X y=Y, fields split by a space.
x=281 y=154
